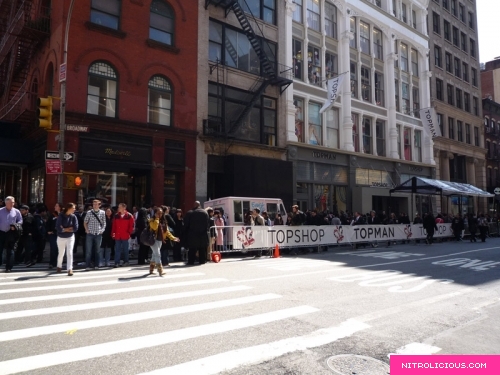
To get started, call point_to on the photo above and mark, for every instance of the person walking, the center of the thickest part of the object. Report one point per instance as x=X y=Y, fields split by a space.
x=483 y=226
x=123 y=226
x=66 y=226
x=158 y=224
x=11 y=223
x=457 y=225
x=39 y=235
x=197 y=226
x=107 y=242
x=95 y=225
x=167 y=245
x=429 y=224
x=25 y=245
x=472 y=222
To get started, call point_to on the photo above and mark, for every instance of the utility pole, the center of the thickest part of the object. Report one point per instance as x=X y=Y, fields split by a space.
x=62 y=118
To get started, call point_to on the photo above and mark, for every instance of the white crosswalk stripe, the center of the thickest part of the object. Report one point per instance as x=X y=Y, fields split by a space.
x=284 y=264
x=51 y=318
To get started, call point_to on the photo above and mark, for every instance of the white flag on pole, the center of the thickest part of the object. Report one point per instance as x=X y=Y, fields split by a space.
x=333 y=86
x=430 y=122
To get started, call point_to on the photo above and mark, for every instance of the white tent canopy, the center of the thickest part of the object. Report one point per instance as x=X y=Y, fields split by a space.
x=420 y=185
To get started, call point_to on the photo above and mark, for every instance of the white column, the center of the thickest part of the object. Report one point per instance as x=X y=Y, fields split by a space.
x=374 y=135
x=344 y=66
x=290 y=108
x=392 y=149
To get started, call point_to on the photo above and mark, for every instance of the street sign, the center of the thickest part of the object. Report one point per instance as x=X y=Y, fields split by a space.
x=53 y=155
x=62 y=73
x=497 y=191
x=53 y=167
x=77 y=128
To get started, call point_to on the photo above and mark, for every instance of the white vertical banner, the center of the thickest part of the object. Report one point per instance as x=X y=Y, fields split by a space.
x=430 y=122
x=333 y=86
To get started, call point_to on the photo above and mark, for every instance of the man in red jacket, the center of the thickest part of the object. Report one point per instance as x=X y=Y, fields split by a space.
x=123 y=226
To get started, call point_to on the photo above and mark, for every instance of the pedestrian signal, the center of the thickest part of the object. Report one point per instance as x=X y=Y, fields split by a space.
x=44 y=112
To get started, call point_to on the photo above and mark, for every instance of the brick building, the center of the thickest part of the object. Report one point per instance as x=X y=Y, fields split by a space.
x=130 y=105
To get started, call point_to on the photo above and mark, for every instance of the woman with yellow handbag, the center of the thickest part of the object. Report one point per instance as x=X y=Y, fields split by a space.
x=159 y=226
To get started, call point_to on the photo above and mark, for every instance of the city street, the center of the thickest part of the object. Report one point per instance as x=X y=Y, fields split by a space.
x=254 y=316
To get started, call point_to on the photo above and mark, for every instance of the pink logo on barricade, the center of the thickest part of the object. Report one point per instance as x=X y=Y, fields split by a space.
x=338 y=233
x=408 y=232
x=245 y=236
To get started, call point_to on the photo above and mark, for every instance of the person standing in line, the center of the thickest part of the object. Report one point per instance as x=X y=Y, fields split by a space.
x=179 y=232
x=66 y=226
x=429 y=224
x=158 y=225
x=95 y=224
x=197 y=227
x=483 y=226
x=213 y=233
x=123 y=226
x=39 y=235
x=25 y=245
x=140 y=224
x=472 y=221
x=167 y=245
x=457 y=225
x=107 y=242
x=52 y=234
x=219 y=224
x=11 y=223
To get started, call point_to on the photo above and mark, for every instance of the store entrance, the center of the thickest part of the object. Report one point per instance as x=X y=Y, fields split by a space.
x=138 y=183
x=390 y=205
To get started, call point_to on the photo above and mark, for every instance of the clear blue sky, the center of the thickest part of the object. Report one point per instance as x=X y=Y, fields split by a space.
x=488 y=16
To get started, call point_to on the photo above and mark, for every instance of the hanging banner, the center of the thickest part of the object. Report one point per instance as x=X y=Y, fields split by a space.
x=257 y=237
x=333 y=86
x=430 y=122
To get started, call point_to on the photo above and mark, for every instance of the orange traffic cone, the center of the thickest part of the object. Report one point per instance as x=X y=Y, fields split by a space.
x=276 y=253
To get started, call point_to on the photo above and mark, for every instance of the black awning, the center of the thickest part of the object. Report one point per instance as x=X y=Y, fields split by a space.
x=421 y=185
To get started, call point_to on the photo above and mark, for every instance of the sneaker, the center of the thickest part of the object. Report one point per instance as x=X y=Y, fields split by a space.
x=107 y=265
x=115 y=266
x=126 y=264
x=30 y=264
x=96 y=268
x=88 y=269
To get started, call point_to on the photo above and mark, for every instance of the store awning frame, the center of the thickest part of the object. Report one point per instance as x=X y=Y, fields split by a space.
x=421 y=185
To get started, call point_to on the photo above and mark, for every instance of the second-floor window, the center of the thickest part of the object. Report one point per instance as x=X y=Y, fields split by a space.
x=313 y=14
x=366 y=88
x=263 y=9
x=377 y=44
x=379 y=89
x=106 y=13
x=404 y=57
x=364 y=37
x=102 y=90
x=331 y=20
x=161 y=23
x=160 y=101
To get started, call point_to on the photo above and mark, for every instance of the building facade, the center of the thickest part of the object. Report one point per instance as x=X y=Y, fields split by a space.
x=241 y=102
x=372 y=138
x=130 y=104
x=456 y=96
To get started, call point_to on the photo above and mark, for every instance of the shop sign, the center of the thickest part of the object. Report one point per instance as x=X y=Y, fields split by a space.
x=117 y=152
x=53 y=167
x=415 y=169
x=324 y=155
x=379 y=184
x=53 y=155
x=77 y=128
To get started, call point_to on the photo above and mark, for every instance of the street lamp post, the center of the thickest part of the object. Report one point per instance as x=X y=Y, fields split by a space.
x=62 y=118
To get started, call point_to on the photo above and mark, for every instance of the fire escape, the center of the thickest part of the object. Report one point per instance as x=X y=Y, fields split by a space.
x=272 y=73
x=23 y=27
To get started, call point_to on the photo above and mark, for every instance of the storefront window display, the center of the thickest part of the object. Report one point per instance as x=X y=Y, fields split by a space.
x=315 y=124
x=330 y=198
x=110 y=188
x=299 y=119
x=37 y=179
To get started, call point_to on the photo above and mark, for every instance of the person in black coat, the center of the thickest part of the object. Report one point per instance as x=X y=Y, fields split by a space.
x=457 y=224
x=107 y=243
x=429 y=224
x=197 y=226
x=179 y=233
x=140 y=224
x=472 y=227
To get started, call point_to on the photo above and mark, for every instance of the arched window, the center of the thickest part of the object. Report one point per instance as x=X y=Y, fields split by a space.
x=161 y=22
x=160 y=101
x=101 y=97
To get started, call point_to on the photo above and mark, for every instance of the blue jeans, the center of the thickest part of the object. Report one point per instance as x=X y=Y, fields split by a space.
x=107 y=254
x=156 y=257
x=53 y=249
x=9 y=253
x=93 y=245
x=119 y=246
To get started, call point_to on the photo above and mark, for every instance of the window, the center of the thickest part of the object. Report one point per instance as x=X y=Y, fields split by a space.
x=404 y=57
x=379 y=89
x=396 y=91
x=450 y=94
x=270 y=119
x=466 y=102
x=465 y=72
x=446 y=5
x=332 y=128
x=377 y=44
x=472 y=44
x=106 y=13
x=314 y=65
x=454 y=7
x=161 y=22
x=297 y=14
x=366 y=88
x=352 y=42
x=367 y=135
x=416 y=101
x=476 y=136
x=436 y=23
x=354 y=80
x=457 y=67
x=315 y=124
x=414 y=19
x=160 y=101
x=467 y=133
x=355 y=131
x=455 y=37
x=447 y=30
x=394 y=8
x=448 y=62
x=451 y=128
x=101 y=95
x=364 y=37
x=330 y=65
x=407 y=143
x=380 y=137
x=474 y=76
x=414 y=62
x=263 y=9
x=313 y=18
x=461 y=13
x=460 y=135
x=471 y=20
x=458 y=98
x=297 y=58
x=215 y=42
x=437 y=57
x=405 y=90
x=299 y=118
x=439 y=89
x=475 y=107
x=463 y=42
x=418 y=145
x=440 y=123
x=403 y=13
x=331 y=20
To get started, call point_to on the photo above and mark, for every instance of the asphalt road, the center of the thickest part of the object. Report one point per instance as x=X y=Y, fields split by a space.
x=254 y=316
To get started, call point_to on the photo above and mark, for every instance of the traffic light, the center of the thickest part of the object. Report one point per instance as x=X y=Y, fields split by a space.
x=44 y=112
